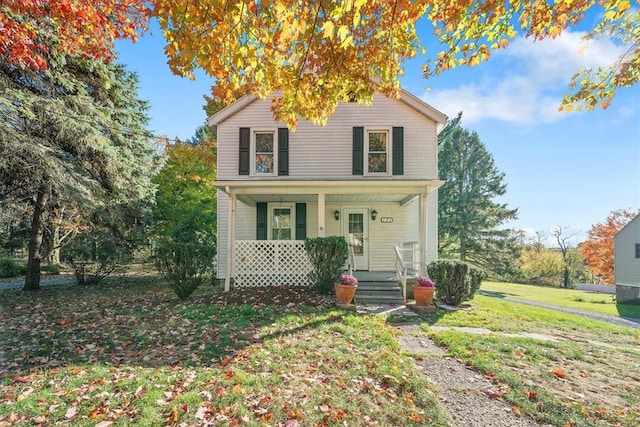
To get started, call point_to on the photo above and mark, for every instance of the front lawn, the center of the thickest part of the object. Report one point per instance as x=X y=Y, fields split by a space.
x=572 y=298
x=129 y=353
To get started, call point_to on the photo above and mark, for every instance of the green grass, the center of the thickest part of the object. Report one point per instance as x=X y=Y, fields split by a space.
x=571 y=298
x=127 y=352
x=586 y=377
x=130 y=353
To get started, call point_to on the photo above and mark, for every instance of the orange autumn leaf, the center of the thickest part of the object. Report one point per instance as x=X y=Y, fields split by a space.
x=559 y=373
x=415 y=417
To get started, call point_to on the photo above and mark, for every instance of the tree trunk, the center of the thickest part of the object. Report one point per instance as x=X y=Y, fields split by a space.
x=53 y=256
x=32 y=279
x=463 y=250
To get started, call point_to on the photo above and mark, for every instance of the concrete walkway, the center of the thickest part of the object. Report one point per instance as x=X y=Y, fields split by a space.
x=470 y=399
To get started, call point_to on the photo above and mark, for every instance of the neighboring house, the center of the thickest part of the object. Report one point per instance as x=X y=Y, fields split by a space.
x=368 y=175
x=626 y=264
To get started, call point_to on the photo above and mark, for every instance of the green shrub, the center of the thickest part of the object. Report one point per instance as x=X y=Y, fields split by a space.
x=456 y=281
x=328 y=256
x=185 y=264
x=9 y=268
x=50 y=269
x=95 y=255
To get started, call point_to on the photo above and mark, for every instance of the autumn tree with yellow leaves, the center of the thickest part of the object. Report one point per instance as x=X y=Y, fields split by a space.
x=317 y=53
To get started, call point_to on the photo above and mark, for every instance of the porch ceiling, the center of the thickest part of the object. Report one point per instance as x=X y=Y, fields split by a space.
x=369 y=187
x=400 y=191
x=330 y=198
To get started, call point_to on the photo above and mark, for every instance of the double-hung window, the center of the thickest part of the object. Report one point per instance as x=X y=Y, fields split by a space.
x=264 y=153
x=377 y=151
x=282 y=222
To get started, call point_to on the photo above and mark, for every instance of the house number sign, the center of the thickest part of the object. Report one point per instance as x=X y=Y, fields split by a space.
x=386 y=220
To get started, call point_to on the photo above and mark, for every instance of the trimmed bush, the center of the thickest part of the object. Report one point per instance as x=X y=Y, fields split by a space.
x=328 y=256
x=9 y=268
x=185 y=265
x=456 y=281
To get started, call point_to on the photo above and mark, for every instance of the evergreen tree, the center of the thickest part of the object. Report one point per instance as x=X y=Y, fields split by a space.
x=469 y=218
x=74 y=134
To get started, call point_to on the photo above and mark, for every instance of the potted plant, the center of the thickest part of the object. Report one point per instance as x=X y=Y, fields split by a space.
x=423 y=291
x=345 y=289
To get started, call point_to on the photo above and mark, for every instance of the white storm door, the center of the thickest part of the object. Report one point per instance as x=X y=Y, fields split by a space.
x=356 y=230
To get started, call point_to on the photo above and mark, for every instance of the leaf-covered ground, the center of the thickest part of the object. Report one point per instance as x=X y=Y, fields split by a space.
x=128 y=353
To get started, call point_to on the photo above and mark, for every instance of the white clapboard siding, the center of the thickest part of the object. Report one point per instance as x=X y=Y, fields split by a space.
x=626 y=265
x=382 y=236
x=325 y=152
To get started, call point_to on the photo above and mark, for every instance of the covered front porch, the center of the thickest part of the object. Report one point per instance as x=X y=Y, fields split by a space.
x=257 y=250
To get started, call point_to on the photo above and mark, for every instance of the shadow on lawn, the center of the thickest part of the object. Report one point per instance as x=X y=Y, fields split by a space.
x=141 y=323
x=629 y=310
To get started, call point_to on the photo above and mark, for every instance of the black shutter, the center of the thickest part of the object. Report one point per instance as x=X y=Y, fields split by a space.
x=244 y=151
x=283 y=151
x=301 y=221
x=398 y=151
x=261 y=221
x=358 y=151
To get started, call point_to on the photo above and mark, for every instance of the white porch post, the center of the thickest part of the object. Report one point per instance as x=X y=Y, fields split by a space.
x=321 y=217
x=231 y=240
x=422 y=212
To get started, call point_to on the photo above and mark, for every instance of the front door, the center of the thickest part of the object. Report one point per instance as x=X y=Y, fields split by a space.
x=356 y=230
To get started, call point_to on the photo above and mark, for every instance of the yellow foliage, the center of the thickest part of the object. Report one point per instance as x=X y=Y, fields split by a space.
x=359 y=46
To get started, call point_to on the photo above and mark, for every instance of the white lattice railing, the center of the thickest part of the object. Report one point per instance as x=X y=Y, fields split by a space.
x=271 y=263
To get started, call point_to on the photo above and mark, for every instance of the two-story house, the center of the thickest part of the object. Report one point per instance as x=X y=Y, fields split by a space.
x=369 y=174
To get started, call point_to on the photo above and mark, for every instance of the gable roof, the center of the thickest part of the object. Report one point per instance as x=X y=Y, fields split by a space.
x=633 y=220
x=410 y=100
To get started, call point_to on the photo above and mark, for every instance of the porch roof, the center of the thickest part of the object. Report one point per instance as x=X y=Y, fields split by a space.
x=401 y=191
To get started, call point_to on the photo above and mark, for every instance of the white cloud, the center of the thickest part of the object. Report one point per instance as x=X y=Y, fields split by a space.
x=526 y=81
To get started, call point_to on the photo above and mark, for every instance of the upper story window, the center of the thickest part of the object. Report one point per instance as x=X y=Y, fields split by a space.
x=637 y=250
x=377 y=151
x=264 y=153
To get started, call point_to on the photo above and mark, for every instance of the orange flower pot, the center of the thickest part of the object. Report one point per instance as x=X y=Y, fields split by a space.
x=344 y=293
x=423 y=295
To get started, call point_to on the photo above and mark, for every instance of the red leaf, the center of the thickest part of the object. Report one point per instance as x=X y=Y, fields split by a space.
x=21 y=379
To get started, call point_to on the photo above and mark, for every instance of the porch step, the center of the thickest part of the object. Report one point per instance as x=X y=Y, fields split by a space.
x=378 y=293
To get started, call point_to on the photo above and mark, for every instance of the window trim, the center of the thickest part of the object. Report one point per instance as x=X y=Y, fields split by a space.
x=389 y=150
x=292 y=210
x=274 y=134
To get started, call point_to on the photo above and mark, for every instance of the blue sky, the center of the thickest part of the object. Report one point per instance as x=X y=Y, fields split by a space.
x=566 y=169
